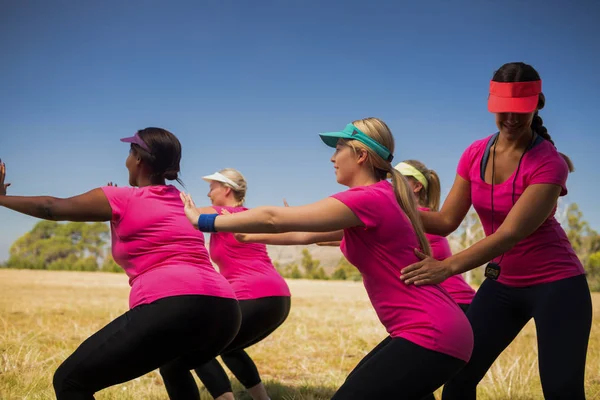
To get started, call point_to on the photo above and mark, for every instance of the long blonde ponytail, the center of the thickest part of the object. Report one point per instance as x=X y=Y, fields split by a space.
x=377 y=130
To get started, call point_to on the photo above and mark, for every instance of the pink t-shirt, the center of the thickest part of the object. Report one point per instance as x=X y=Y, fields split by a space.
x=544 y=256
x=161 y=252
x=425 y=315
x=247 y=266
x=456 y=285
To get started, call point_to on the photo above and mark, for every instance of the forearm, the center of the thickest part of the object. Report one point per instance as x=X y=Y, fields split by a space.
x=290 y=238
x=36 y=206
x=281 y=239
x=435 y=223
x=256 y=220
x=481 y=252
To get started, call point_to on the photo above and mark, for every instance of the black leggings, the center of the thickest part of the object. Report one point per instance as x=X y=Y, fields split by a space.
x=260 y=317
x=562 y=311
x=398 y=369
x=146 y=337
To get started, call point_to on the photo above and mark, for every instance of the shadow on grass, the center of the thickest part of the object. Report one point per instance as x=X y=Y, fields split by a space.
x=281 y=391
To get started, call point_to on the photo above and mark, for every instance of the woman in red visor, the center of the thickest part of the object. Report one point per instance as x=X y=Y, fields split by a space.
x=513 y=179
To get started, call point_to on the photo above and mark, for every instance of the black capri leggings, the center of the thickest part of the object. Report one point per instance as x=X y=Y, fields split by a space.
x=260 y=317
x=191 y=327
x=398 y=369
x=562 y=311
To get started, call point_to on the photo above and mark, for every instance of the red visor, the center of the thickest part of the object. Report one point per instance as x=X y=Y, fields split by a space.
x=516 y=97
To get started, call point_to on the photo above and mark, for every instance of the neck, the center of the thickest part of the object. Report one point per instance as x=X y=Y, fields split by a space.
x=146 y=181
x=363 y=178
x=509 y=142
x=230 y=203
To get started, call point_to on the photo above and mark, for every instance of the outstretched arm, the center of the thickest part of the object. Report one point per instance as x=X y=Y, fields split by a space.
x=333 y=243
x=531 y=210
x=323 y=216
x=290 y=238
x=90 y=206
x=455 y=208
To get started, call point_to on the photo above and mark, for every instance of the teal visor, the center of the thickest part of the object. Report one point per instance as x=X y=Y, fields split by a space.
x=353 y=133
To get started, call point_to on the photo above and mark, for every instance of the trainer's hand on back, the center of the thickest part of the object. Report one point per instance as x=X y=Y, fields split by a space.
x=189 y=207
x=426 y=272
x=3 y=186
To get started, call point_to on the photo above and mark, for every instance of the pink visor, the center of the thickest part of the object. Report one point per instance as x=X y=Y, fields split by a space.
x=136 y=139
x=514 y=97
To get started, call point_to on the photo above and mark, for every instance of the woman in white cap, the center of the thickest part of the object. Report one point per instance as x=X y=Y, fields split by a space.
x=263 y=296
x=425 y=185
x=430 y=338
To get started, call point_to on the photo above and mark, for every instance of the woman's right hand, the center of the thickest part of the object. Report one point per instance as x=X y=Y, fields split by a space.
x=190 y=209
x=3 y=186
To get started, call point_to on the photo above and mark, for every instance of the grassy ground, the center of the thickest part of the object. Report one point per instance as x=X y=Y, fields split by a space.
x=45 y=315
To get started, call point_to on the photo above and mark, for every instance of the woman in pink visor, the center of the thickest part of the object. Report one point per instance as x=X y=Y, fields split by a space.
x=430 y=338
x=180 y=306
x=263 y=295
x=514 y=178
x=425 y=185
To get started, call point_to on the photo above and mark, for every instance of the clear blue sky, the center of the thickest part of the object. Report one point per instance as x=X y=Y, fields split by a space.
x=249 y=85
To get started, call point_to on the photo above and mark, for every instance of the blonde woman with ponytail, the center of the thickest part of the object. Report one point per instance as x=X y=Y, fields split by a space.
x=430 y=338
x=263 y=295
x=425 y=185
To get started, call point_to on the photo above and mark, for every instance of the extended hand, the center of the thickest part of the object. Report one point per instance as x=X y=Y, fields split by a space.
x=190 y=209
x=426 y=272
x=3 y=186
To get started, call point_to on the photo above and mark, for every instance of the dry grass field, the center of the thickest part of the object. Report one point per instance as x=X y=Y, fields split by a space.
x=45 y=315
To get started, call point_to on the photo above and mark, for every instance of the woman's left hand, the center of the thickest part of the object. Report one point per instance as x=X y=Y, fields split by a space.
x=191 y=212
x=426 y=272
x=3 y=186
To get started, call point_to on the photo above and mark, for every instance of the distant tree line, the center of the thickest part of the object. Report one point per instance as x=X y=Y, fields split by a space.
x=79 y=246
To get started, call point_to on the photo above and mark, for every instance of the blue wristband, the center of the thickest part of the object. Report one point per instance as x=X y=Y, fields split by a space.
x=206 y=222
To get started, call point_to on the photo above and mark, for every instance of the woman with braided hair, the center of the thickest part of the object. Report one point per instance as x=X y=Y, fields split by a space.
x=513 y=179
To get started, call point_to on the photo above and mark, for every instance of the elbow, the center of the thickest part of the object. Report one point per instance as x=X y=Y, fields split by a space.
x=507 y=238
x=47 y=209
x=446 y=227
x=271 y=221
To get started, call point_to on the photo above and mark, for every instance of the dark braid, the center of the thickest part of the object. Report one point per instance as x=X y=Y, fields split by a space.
x=537 y=125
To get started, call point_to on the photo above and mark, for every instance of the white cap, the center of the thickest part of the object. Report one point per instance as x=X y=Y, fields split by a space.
x=219 y=177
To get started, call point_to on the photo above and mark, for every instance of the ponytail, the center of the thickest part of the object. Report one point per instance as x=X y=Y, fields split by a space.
x=434 y=191
x=405 y=198
x=537 y=125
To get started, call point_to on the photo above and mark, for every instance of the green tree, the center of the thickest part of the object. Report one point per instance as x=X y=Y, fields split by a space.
x=593 y=271
x=109 y=264
x=312 y=267
x=295 y=271
x=583 y=238
x=308 y=263
x=346 y=271
x=53 y=245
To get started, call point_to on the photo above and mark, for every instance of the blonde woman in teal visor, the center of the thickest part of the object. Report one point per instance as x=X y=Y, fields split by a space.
x=429 y=338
